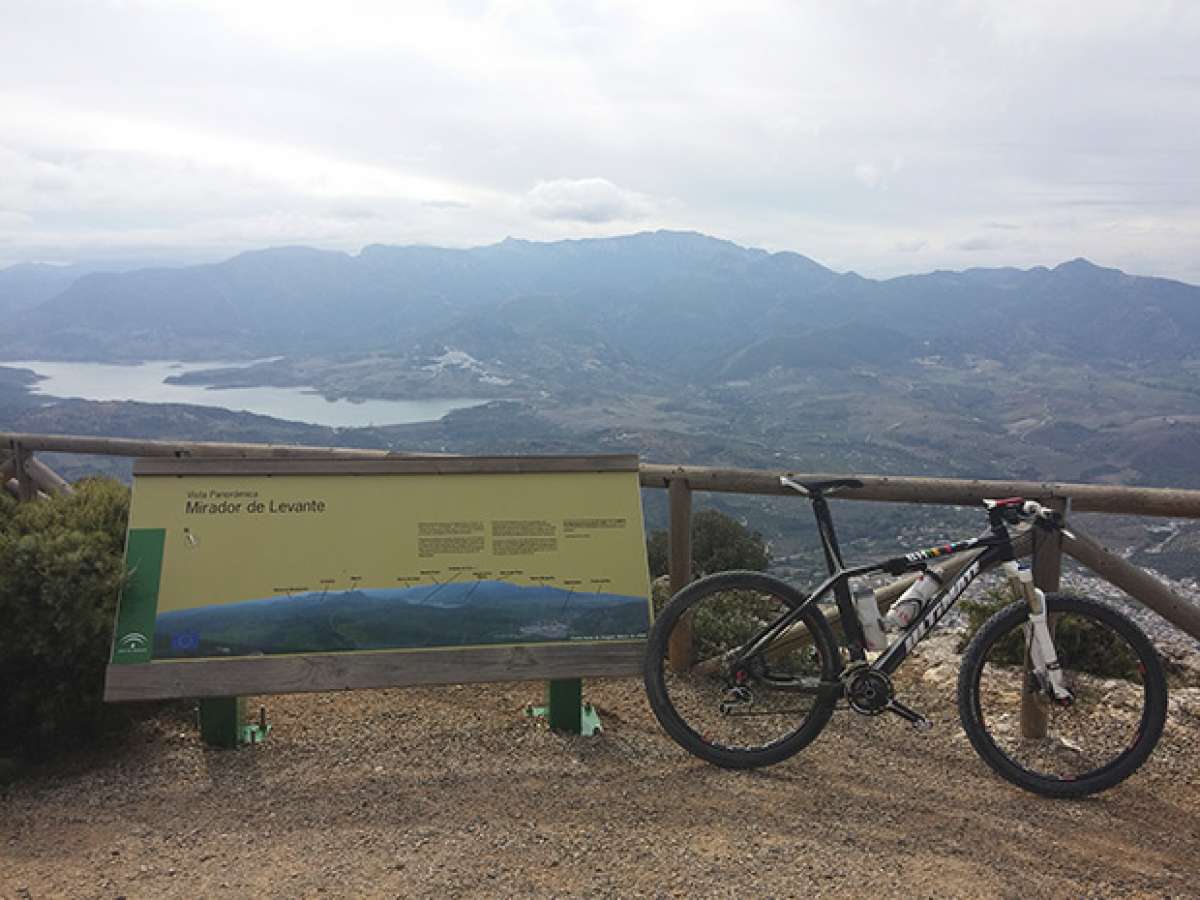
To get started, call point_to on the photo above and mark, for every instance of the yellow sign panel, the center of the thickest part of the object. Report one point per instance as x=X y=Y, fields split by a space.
x=265 y=564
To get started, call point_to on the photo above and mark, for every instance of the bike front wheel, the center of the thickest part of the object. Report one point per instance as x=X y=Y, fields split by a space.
x=773 y=704
x=1102 y=737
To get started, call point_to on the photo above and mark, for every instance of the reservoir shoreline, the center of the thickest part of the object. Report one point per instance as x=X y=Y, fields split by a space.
x=146 y=382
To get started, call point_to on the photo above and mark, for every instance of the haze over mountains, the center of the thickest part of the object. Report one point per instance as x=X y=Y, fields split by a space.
x=679 y=303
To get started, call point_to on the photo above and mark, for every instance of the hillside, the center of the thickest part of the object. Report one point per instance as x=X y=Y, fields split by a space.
x=29 y=284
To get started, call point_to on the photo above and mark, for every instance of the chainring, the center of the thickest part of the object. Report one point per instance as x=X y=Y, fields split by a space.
x=869 y=692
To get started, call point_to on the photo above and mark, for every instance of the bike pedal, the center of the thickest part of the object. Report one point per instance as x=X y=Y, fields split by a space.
x=909 y=715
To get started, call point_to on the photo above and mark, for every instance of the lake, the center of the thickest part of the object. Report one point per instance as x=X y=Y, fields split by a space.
x=146 y=383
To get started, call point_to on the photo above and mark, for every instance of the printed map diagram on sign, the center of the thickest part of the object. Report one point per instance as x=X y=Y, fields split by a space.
x=315 y=563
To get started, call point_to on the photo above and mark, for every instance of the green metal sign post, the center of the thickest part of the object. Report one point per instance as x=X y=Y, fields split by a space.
x=223 y=723
x=565 y=710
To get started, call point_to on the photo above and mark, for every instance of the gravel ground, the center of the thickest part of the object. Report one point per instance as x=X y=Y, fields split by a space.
x=453 y=792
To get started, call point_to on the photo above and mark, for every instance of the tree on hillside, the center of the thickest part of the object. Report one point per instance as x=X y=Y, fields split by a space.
x=719 y=542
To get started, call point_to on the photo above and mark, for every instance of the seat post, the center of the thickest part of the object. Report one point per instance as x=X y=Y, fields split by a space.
x=855 y=640
x=829 y=542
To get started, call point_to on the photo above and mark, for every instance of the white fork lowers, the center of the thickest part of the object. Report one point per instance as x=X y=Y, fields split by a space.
x=1042 y=655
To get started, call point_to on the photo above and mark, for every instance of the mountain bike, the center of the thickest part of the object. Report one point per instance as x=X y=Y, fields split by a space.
x=1061 y=695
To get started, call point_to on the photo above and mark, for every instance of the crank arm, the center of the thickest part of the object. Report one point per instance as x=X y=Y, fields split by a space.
x=909 y=715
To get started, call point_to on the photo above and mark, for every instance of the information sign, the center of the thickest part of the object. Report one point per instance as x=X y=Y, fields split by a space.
x=315 y=574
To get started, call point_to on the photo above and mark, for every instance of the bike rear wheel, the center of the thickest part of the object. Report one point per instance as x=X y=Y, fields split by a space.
x=1119 y=708
x=773 y=705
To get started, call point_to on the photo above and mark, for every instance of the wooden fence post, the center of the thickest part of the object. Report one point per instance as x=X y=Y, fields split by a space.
x=8 y=468
x=26 y=489
x=679 y=539
x=1047 y=575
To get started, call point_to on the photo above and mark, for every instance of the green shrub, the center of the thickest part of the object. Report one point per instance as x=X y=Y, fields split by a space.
x=660 y=594
x=978 y=612
x=1082 y=645
x=728 y=620
x=719 y=543
x=61 y=568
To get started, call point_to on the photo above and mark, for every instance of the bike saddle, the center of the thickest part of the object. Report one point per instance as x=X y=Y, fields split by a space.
x=819 y=485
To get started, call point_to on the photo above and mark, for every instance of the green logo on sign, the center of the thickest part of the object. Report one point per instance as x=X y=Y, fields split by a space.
x=134 y=642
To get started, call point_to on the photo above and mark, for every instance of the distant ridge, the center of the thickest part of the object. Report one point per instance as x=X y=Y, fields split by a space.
x=668 y=301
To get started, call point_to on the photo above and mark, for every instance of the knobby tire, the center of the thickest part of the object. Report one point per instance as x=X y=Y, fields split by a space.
x=664 y=687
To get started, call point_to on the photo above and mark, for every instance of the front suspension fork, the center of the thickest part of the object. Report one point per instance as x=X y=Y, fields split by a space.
x=1038 y=640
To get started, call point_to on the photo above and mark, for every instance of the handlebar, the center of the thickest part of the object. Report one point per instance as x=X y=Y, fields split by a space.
x=1017 y=509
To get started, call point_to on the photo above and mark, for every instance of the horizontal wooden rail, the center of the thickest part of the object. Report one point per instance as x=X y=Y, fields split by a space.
x=1133 y=501
x=889 y=488
x=16 y=459
x=1134 y=581
x=46 y=479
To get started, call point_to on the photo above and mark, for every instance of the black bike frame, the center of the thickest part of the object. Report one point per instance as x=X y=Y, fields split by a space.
x=995 y=546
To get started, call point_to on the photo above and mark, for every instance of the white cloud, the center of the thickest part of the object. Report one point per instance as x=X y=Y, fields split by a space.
x=593 y=200
x=979 y=244
x=868 y=174
x=297 y=169
x=848 y=132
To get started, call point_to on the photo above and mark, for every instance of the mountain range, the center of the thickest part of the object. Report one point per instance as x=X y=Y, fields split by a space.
x=682 y=303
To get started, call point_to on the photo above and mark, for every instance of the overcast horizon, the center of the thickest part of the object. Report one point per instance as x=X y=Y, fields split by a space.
x=876 y=137
x=112 y=264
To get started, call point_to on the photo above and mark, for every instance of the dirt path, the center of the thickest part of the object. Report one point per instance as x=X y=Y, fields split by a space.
x=452 y=792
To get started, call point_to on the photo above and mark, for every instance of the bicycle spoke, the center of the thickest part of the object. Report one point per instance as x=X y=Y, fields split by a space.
x=722 y=623
x=1092 y=743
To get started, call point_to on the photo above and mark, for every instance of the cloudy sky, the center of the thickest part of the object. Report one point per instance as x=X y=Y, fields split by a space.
x=884 y=137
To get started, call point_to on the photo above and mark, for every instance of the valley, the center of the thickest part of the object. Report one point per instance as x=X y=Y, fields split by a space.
x=680 y=347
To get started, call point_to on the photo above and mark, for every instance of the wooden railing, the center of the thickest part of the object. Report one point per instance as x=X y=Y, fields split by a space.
x=680 y=481
x=26 y=477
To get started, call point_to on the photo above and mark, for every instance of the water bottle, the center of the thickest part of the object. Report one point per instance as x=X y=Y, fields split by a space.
x=868 y=616
x=911 y=602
